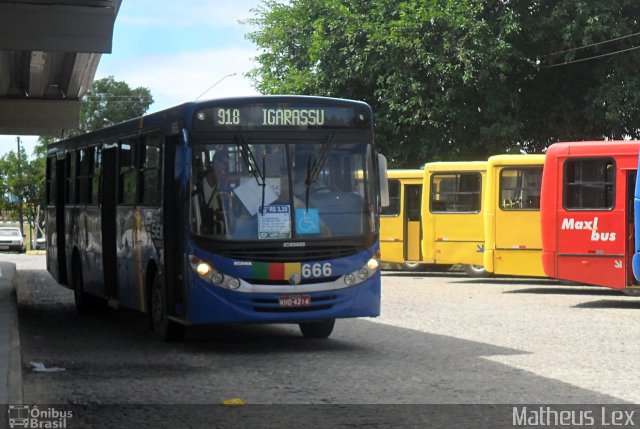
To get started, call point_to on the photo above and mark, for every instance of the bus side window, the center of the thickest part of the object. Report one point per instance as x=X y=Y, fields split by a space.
x=588 y=184
x=127 y=173
x=95 y=179
x=69 y=179
x=85 y=166
x=150 y=177
x=393 y=209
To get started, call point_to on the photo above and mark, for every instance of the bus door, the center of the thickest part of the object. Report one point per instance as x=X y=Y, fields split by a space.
x=56 y=243
x=108 y=213
x=591 y=242
x=518 y=245
x=458 y=222
x=630 y=227
x=125 y=223
x=391 y=226
x=413 y=224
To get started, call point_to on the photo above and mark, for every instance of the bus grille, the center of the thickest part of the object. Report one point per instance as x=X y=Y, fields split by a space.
x=286 y=282
x=287 y=255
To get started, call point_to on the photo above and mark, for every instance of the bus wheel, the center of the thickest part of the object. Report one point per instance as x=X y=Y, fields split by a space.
x=166 y=329
x=477 y=271
x=84 y=302
x=320 y=329
x=413 y=266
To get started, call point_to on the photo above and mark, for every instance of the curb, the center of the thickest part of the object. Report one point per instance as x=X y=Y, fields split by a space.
x=14 y=380
x=10 y=359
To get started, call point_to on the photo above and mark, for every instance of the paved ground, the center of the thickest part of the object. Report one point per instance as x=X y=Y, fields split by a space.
x=584 y=336
x=441 y=339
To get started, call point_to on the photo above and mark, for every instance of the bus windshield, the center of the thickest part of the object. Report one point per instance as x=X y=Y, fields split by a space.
x=270 y=190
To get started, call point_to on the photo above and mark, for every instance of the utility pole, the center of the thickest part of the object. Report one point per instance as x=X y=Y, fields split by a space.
x=20 y=202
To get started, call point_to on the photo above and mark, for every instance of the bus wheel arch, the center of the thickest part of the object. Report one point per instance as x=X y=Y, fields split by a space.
x=165 y=328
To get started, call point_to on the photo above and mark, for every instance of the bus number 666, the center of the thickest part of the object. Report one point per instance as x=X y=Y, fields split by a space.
x=316 y=270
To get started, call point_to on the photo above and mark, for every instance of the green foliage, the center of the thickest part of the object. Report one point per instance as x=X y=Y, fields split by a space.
x=458 y=79
x=109 y=102
x=21 y=183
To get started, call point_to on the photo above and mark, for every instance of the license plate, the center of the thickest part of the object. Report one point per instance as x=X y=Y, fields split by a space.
x=4 y=247
x=294 y=301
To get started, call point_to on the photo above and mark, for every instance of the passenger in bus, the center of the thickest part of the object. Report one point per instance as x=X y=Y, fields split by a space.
x=300 y=174
x=212 y=194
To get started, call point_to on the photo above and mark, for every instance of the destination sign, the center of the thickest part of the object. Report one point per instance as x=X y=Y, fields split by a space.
x=279 y=116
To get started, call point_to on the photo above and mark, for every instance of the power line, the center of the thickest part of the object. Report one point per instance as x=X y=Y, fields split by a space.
x=591 y=45
x=591 y=58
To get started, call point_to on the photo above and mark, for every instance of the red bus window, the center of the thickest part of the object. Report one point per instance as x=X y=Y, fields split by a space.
x=589 y=184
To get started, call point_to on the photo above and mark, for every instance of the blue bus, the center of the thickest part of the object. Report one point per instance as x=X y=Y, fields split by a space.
x=259 y=209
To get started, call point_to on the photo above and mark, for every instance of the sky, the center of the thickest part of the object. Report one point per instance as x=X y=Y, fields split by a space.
x=178 y=50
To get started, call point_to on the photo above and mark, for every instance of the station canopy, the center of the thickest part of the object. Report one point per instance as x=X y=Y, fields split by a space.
x=49 y=53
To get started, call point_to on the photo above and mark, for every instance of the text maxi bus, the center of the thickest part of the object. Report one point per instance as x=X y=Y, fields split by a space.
x=400 y=222
x=452 y=214
x=513 y=244
x=261 y=209
x=586 y=212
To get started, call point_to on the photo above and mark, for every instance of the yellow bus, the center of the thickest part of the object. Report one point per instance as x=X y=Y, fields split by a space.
x=452 y=215
x=400 y=222
x=513 y=244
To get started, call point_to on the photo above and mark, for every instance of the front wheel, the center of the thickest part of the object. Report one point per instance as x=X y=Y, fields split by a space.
x=321 y=329
x=85 y=303
x=165 y=329
x=477 y=271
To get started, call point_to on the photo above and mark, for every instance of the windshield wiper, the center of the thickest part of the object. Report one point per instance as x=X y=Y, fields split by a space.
x=314 y=169
x=252 y=166
x=249 y=160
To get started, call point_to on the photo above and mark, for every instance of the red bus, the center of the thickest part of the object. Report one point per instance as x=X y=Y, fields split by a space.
x=586 y=212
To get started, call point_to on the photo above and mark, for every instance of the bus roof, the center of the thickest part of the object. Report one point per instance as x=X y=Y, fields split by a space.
x=405 y=174
x=455 y=166
x=515 y=159
x=184 y=113
x=594 y=148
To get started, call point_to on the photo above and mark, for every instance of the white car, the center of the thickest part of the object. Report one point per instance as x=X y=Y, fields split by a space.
x=41 y=243
x=12 y=239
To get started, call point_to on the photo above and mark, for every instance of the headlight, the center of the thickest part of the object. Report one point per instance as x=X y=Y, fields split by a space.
x=363 y=273
x=203 y=269
x=373 y=264
x=209 y=274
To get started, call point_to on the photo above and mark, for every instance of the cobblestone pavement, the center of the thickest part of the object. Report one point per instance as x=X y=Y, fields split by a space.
x=584 y=336
x=441 y=339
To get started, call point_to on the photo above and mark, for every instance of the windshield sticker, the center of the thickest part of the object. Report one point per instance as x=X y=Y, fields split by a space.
x=307 y=221
x=250 y=194
x=275 y=222
x=274 y=183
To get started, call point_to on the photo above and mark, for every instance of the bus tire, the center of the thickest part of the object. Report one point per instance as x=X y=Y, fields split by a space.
x=413 y=266
x=85 y=303
x=164 y=328
x=321 y=329
x=476 y=271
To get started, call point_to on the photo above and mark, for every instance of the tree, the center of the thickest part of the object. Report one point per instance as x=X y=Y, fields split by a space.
x=109 y=102
x=459 y=79
x=21 y=182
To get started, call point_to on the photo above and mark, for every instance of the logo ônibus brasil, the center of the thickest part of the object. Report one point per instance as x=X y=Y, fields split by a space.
x=31 y=416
